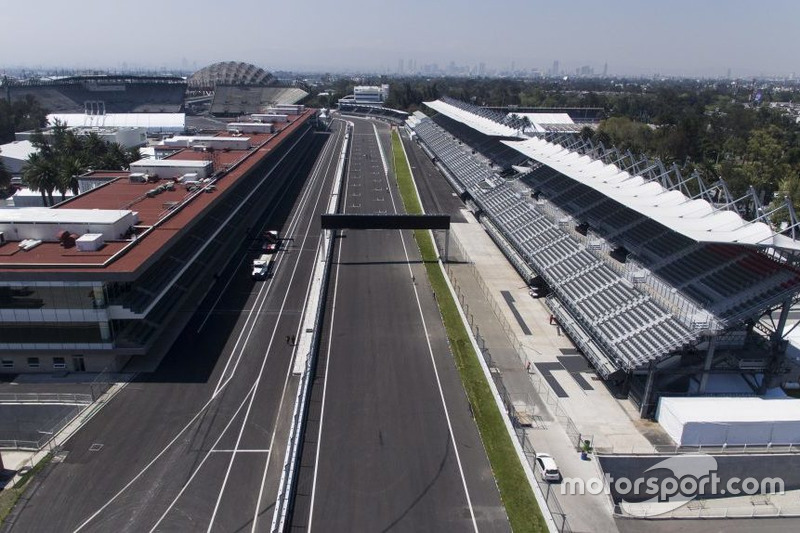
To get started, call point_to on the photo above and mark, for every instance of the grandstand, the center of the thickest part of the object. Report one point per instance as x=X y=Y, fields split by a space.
x=659 y=287
x=376 y=111
x=103 y=94
x=235 y=100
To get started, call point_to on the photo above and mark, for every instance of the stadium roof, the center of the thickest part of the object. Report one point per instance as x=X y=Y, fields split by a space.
x=696 y=219
x=229 y=73
x=476 y=122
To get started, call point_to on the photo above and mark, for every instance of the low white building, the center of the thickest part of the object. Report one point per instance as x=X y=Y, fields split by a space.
x=129 y=137
x=26 y=197
x=208 y=141
x=15 y=155
x=172 y=168
x=152 y=122
x=715 y=421
x=45 y=224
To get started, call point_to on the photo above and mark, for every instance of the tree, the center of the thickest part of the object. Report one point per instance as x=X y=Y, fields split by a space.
x=40 y=174
x=5 y=176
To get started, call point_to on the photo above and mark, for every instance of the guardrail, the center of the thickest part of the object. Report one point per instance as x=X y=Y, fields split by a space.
x=285 y=499
x=724 y=449
x=45 y=398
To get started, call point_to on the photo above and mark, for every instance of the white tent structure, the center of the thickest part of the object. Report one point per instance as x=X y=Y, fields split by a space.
x=714 y=421
x=152 y=122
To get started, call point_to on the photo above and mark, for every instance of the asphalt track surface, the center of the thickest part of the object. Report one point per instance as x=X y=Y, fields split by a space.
x=390 y=443
x=436 y=194
x=198 y=445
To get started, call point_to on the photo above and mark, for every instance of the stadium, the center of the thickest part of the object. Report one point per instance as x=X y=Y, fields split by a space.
x=236 y=88
x=98 y=95
x=655 y=276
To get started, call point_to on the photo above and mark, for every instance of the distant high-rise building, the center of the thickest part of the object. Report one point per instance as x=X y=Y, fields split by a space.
x=605 y=69
x=481 y=69
x=400 y=66
x=410 y=64
x=556 y=69
x=729 y=73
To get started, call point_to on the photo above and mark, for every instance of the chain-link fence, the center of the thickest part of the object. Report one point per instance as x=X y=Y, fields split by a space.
x=28 y=421
x=508 y=399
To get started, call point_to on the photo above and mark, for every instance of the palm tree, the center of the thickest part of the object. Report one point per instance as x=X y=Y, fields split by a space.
x=39 y=174
x=5 y=176
x=69 y=168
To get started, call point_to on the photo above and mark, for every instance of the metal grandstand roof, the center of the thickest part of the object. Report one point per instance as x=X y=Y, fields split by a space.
x=481 y=124
x=694 y=218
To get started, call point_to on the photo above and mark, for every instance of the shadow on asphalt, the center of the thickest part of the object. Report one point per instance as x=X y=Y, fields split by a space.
x=193 y=356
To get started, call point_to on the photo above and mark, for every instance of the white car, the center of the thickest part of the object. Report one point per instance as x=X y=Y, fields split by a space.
x=548 y=468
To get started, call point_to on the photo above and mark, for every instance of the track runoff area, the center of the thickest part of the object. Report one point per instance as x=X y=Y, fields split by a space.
x=390 y=442
x=199 y=444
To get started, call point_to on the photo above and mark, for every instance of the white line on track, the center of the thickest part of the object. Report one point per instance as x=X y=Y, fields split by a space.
x=241 y=451
x=183 y=430
x=263 y=292
x=339 y=139
x=248 y=399
x=328 y=356
x=430 y=351
x=263 y=365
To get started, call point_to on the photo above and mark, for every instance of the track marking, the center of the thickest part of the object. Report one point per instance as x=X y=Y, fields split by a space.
x=241 y=451
x=249 y=398
x=263 y=365
x=430 y=352
x=340 y=139
x=328 y=355
x=264 y=290
x=220 y=386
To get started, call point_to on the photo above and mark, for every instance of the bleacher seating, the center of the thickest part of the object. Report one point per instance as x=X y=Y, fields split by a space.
x=700 y=271
x=234 y=100
x=118 y=95
x=626 y=322
x=490 y=147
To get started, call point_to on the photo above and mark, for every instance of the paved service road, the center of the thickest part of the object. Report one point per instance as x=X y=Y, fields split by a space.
x=198 y=445
x=390 y=443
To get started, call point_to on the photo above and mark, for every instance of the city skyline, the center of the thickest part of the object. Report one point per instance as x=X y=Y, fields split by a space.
x=683 y=39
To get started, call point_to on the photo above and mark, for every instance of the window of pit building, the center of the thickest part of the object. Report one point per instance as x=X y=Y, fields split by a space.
x=33 y=362
x=7 y=363
x=59 y=362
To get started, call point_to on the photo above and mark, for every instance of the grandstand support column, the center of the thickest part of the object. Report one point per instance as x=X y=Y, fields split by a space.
x=777 y=336
x=775 y=372
x=447 y=246
x=712 y=347
x=644 y=406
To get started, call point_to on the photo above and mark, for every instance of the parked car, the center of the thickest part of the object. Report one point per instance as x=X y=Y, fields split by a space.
x=548 y=468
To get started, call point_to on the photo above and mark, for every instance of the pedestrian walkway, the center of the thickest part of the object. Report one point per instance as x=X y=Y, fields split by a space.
x=560 y=370
x=547 y=435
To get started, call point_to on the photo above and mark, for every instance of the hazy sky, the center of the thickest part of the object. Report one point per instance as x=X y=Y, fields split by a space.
x=678 y=37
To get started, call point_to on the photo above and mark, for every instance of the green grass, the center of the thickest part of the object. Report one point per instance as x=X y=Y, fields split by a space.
x=9 y=495
x=515 y=491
